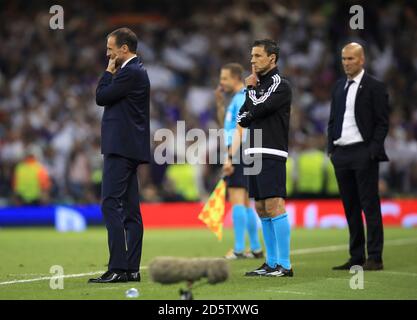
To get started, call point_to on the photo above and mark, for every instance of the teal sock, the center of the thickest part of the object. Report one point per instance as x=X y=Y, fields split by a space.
x=252 y=227
x=282 y=230
x=239 y=226
x=270 y=242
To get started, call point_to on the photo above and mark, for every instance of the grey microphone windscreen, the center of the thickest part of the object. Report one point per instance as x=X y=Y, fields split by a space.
x=169 y=270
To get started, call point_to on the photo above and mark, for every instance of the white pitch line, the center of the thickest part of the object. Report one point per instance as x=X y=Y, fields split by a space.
x=27 y=274
x=291 y=292
x=53 y=277
x=396 y=242
x=397 y=273
x=77 y=275
x=108 y=288
x=344 y=280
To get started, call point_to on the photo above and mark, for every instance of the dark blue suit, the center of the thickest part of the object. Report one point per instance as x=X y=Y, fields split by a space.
x=357 y=165
x=125 y=143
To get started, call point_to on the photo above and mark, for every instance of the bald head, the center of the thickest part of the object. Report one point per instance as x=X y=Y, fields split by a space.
x=354 y=48
x=353 y=59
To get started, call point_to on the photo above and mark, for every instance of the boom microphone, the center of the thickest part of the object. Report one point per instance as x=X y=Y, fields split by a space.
x=169 y=270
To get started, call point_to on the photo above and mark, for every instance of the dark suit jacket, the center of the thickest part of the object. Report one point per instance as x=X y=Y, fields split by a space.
x=125 y=122
x=371 y=114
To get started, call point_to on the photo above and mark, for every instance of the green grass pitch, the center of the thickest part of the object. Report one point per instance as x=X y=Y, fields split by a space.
x=28 y=253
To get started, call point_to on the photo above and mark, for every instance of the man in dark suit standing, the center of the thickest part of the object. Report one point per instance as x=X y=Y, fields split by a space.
x=357 y=128
x=123 y=90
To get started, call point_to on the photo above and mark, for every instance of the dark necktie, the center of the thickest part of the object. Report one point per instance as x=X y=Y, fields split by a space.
x=340 y=112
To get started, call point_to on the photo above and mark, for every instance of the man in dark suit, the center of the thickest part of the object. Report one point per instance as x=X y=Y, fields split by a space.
x=123 y=90
x=357 y=128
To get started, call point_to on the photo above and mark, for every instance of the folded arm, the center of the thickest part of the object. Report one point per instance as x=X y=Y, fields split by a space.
x=258 y=108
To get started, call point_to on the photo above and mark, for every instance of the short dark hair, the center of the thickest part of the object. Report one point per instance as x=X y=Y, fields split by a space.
x=125 y=36
x=270 y=46
x=235 y=69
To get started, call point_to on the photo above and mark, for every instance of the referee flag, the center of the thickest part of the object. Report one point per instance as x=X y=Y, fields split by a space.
x=213 y=212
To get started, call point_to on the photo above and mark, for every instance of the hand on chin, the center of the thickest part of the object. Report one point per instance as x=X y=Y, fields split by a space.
x=118 y=63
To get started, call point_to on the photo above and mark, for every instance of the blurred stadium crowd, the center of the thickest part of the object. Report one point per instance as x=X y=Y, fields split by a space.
x=48 y=79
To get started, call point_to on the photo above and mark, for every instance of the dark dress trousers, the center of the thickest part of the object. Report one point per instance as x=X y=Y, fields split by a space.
x=357 y=165
x=125 y=143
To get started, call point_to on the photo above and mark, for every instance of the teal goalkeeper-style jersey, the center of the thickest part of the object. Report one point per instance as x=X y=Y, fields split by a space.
x=230 y=122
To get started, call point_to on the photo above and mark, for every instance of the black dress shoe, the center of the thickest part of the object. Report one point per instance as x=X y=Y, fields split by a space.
x=348 y=265
x=372 y=265
x=133 y=276
x=110 y=277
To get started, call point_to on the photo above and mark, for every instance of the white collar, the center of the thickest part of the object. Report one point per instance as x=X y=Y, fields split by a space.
x=125 y=63
x=358 y=78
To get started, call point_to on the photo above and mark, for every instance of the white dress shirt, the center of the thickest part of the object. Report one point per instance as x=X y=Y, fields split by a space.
x=350 y=131
x=125 y=63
